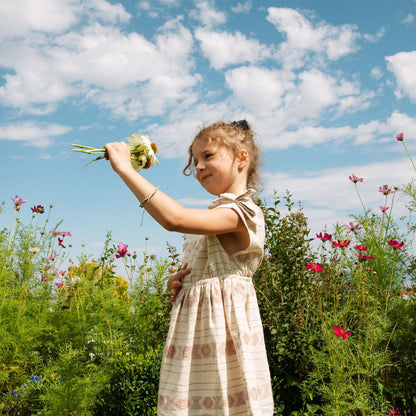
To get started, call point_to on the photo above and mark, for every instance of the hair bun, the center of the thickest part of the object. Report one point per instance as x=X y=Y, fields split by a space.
x=242 y=123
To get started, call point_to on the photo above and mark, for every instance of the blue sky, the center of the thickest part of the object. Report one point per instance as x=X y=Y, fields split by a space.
x=326 y=85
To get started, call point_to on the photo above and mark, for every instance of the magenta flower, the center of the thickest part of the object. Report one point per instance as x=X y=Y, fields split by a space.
x=395 y=244
x=315 y=267
x=339 y=332
x=383 y=209
x=399 y=137
x=362 y=256
x=60 y=242
x=38 y=209
x=361 y=248
x=352 y=228
x=385 y=189
x=324 y=237
x=341 y=244
x=121 y=250
x=18 y=202
x=394 y=412
x=59 y=284
x=355 y=179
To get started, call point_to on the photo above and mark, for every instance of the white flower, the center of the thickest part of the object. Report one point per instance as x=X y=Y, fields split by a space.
x=142 y=151
x=34 y=249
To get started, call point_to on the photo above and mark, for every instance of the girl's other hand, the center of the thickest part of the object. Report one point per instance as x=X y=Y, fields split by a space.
x=119 y=155
x=175 y=281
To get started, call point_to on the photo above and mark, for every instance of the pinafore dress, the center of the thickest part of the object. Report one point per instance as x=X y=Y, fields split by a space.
x=214 y=361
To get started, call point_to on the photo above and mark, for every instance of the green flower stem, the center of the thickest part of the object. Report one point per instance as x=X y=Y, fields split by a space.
x=408 y=154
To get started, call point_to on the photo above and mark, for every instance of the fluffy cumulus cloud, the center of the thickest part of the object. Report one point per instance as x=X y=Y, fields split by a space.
x=304 y=37
x=207 y=14
x=224 y=48
x=403 y=66
x=32 y=133
x=97 y=61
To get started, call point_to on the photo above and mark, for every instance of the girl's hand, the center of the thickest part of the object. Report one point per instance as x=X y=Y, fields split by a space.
x=175 y=281
x=119 y=155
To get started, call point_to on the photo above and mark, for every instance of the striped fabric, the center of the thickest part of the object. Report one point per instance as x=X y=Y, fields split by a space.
x=214 y=361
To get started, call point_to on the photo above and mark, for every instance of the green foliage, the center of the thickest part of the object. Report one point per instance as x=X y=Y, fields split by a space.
x=133 y=386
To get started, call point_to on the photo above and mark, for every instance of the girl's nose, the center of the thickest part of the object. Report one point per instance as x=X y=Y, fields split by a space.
x=199 y=166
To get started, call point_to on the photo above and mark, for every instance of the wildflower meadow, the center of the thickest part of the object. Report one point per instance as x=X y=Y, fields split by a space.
x=338 y=309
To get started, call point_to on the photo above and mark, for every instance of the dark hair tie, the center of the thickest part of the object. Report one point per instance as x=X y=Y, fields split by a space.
x=242 y=123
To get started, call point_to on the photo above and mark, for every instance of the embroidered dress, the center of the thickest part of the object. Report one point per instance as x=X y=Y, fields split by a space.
x=214 y=362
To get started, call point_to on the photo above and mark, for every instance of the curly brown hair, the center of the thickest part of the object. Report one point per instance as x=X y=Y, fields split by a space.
x=235 y=136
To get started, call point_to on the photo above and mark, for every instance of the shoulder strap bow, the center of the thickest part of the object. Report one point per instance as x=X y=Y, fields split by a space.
x=240 y=200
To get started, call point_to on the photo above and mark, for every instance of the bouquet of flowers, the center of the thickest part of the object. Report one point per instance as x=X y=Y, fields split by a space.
x=142 y=151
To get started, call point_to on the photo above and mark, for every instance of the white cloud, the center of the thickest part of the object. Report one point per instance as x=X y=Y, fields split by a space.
x=242 y=7
x=409 y=20
x=403 y=66
x=207 y=14
x=30 y=133
x=376 y=73
x=302 y=37
x=123 y=72
x=328 y=196
x=20 y=17
x=224 y=49
x=259 y=89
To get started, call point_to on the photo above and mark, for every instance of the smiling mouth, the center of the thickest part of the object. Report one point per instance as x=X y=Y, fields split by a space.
x=205 y=177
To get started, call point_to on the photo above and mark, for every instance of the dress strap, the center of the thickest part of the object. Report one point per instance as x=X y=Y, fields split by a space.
x=240 y=201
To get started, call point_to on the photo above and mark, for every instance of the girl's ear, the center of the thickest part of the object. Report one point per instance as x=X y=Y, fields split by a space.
x=244 y=159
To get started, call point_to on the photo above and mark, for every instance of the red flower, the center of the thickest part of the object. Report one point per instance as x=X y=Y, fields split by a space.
x=394 y=412
x=324 y=237
x=341 y=244
x=395 y=244
x=399 y=137
x=315 y=267
x=362 y=256
x=338 y=332
x=361 y=248
x=355 y=179
x=38 y=209
x=60 y=242
x=121 y=250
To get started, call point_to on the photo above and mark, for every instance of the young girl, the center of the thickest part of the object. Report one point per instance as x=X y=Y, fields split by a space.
x=214 y=362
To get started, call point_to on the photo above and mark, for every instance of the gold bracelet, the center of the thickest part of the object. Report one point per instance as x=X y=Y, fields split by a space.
x=149 y=197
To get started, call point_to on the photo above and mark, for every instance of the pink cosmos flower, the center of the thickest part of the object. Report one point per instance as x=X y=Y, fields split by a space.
x=361 y=248
x=18 y=202
x=383 y=209
x=399 y=137
x=352 y=228
x=325 y=237
x=52 y=256
x=59 y=284
x=338 y=332
x=394 y=412
x=121 y=250
x=341 y=244
x=64 y=233
x=355 y=179
x=385 y=189
x=315 y=267
x=395 y=244
x=34 y=249
x=38 y=209
x=172 y=269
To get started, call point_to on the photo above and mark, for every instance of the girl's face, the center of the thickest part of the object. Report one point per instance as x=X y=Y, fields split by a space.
x=217 y=168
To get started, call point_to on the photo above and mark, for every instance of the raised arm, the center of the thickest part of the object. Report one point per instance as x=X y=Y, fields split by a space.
x=166 y=211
